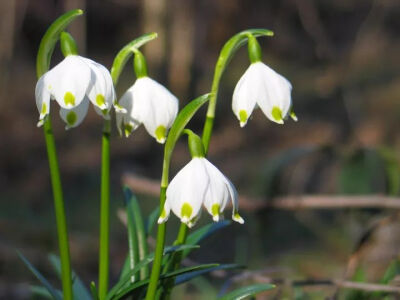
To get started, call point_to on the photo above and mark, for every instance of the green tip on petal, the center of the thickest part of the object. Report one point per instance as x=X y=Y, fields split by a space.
x=69 y=99
x=105 y=112
x=186 y=212
x=40 y=123
x=119 y=108
x=160 y=134
x=71 y=118
x=293 y=116
x=44 y=109
x=277 y=114
x=163 y=216
x=237 y=218
x=243 y=118
x=128 y=129
x=100 y=101
x=215 y=211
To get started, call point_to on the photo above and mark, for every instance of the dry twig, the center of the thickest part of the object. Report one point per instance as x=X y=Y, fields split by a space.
x=151 y=187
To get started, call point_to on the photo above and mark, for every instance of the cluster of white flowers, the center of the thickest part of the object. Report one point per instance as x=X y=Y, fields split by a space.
x=76 y=81
x=73 y=83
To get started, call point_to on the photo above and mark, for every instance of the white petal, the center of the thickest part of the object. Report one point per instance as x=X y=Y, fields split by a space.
x=128 y=119
x=217 y=193
x=276 y=93
x=158 y=107
x=245 y=95
x=42 y=96
x=101 y=92
x=69 y=81
x=74 y=116
x=224 y=190
x=188 y=188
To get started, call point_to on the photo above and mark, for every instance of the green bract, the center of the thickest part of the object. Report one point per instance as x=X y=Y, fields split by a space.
x=126 y=52
x=50 y=39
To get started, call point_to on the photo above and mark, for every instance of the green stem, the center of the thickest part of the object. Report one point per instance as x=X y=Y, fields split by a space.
x=175 y=261
x=209 y=123
x=226 y=54
x=104 y=211
x=156 y=269
x=180 y=240
x=59 y=211
x=175 y=132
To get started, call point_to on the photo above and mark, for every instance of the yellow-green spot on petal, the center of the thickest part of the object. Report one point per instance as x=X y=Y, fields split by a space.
x=128 y=129
x=277 y=114
x=186 y=210
x=44 y=109
x=243 y=117
x=160 y=133
x=69 y=99
x=71 y=118
x=215 y=209
x=100 y=101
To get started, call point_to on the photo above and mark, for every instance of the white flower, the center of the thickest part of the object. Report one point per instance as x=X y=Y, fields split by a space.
x=262 y=86
x=199 y=183
x=150 y=103
x=73 y=83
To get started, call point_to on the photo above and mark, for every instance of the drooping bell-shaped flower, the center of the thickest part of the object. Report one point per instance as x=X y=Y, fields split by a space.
x=147 y=102
x=199 y=183
x=73 y=83
x=261 y=86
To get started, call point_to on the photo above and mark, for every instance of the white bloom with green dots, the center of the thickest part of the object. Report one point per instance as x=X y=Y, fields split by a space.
x=262 y=86
x=149 y=103
x=73 y=83
x=199 y=183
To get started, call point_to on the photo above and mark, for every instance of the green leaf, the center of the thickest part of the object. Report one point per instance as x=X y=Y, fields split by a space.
x=148 y=259
x=391 y=272
x=78 y=288
x=392 y=169
x=141 y=283
x=188 y=276
x=42 y=292
x=50 y=39
x=136 y=235
x=175 y=132
x=359 y=276
x=151 y=220
x=54 y=293
x=362 y=173
x=126 y=52
x=94 y=291
x=247 y=291
x=138 y=226
x=200 y=234
x=133 y=249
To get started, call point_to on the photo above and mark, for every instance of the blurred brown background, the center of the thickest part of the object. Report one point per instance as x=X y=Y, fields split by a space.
x=342 y=58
